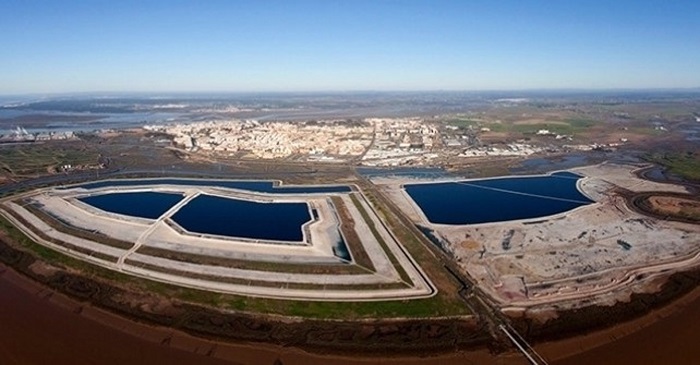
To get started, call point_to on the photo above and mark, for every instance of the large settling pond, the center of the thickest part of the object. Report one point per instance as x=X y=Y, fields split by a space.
x=215 y=215
x=149 y=205
x=496 y=200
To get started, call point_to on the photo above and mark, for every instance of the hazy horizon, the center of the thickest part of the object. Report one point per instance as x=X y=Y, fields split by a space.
x=57 y=47
x=168 y=93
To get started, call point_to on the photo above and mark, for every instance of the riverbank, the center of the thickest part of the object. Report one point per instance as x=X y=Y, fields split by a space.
x=669 y=334
x=35 y=319
x=379 y=336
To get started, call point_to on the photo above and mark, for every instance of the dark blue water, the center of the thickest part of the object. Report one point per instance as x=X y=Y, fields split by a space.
x=240 y=218
x=495 y=200
x=143 y=204
x=257 y=186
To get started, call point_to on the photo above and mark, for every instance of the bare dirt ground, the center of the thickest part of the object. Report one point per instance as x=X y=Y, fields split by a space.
x=597 y=253
x=539 y=121
x=675 y=206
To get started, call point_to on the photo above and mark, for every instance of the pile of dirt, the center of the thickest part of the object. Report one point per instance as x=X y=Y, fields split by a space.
x=668 y=206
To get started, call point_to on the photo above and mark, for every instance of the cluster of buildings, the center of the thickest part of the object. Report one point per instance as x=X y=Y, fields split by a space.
x=401 y=141
x=21 y=135
x=403 y=133
x=370 y=142
x=329 y=140
x=270 y=140
x=511 y=149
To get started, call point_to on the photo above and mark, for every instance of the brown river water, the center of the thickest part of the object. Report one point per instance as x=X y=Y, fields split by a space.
x=39 y=326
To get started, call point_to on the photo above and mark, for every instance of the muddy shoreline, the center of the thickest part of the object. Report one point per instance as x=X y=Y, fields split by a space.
x=385 y=336
x=396 y=338
x=42 y=325
x=581 y=321
x=667 y=333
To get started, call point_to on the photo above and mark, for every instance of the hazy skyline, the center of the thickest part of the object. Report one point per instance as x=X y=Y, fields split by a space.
x=241 y=46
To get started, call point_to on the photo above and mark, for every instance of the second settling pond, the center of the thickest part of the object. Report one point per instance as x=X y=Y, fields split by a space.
x=497 y=200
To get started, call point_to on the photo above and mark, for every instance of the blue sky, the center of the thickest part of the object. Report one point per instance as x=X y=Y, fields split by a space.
x=89 y=45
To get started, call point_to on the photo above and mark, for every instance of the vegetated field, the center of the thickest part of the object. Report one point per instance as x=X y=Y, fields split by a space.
x=530 y=124
x=465 y=122
x=686 y=165
x=564 y=127
x=18 y=160
x=587 y=122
